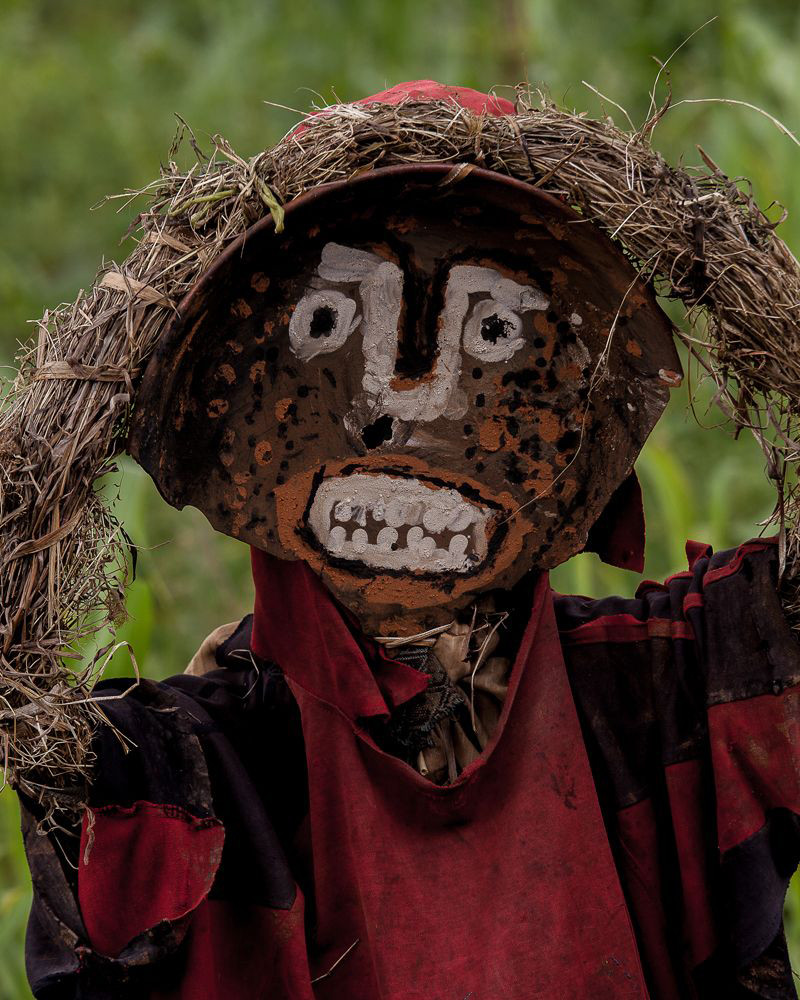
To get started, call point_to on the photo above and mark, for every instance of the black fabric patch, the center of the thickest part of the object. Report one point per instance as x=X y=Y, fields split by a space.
x=412 y=725
x=755 y=649
x=253 y=748
x=755 y=877
x=228 y=745
x=643 y=706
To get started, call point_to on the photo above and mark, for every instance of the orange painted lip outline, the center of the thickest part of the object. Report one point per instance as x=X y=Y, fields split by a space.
x=391 y=588
x=488 y=508
x=359 y=569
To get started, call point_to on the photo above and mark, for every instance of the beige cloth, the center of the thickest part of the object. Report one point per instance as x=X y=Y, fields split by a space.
x=204 y=659
x=466 y=653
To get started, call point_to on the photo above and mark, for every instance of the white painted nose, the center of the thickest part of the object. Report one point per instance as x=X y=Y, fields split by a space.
x=422 y=399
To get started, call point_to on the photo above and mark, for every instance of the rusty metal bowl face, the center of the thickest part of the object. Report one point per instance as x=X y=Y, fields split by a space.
x=422 y=388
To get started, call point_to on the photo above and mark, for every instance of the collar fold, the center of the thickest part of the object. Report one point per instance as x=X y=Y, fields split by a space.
x=298 y=625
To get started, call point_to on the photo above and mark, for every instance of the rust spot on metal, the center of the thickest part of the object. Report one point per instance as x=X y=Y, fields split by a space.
x=257 y=371
x=263 y=453
x=217 y=408
x=549 y=425
x=568 y=372
x=238 y=497
x=402 y=226
x=241 y=309
x=226 y=373
x=259 y=282
x=633 y=348
x=402 y=383
x=282 y=407
x=491 y=436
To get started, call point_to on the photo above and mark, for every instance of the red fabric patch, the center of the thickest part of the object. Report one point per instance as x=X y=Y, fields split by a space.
x=696 y=550
x=640 y=872
x=494 y=873
x=627 y=628
x=140 y=865
x=618 y=535
x=693 y=601
x=689 y=801
x=311 y=629
x=238 y=950
x=754 y=749
x=736 y=563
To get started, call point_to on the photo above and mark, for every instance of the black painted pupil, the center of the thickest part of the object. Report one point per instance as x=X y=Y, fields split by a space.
x=322 y=322
x=493 y=328
x=378 y=432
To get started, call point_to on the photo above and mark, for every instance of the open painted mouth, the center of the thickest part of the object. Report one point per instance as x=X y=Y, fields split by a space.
x=401 y=524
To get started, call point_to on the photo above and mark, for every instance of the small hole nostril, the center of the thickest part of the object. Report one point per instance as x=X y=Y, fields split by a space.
x=378 y=432
x=493 y=328
x=323 y=322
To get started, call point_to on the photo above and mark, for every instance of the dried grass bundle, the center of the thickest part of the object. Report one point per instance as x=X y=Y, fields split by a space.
x=695 y=233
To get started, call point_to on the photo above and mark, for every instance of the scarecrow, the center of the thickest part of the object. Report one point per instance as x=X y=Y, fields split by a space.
x=414 y=376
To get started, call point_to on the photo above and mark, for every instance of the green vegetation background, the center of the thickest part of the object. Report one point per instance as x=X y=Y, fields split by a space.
x=89 y=90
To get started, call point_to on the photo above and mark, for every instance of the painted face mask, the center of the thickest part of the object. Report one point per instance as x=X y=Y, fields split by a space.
x=426 y=385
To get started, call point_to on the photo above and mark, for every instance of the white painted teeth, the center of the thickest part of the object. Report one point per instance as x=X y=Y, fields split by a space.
x=395 y=523
x=458 y=545
x=398 y=514
x=459 y=521
x=386 y=539
x=343 y=511
x=395 y=515
x=337 y=538
x=413 y=538
x=427 y=546
x=435 y=519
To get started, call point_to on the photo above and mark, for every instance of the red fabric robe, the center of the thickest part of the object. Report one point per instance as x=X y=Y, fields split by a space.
x=629 y=832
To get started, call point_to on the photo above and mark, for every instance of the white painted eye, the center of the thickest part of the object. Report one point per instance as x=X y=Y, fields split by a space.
x=321 y=322
x=493 y=332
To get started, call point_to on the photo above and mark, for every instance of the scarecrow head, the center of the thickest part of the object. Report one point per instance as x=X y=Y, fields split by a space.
x=433 y=379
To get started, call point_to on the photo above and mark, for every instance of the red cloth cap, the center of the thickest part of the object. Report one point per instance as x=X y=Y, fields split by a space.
x=430 y=90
